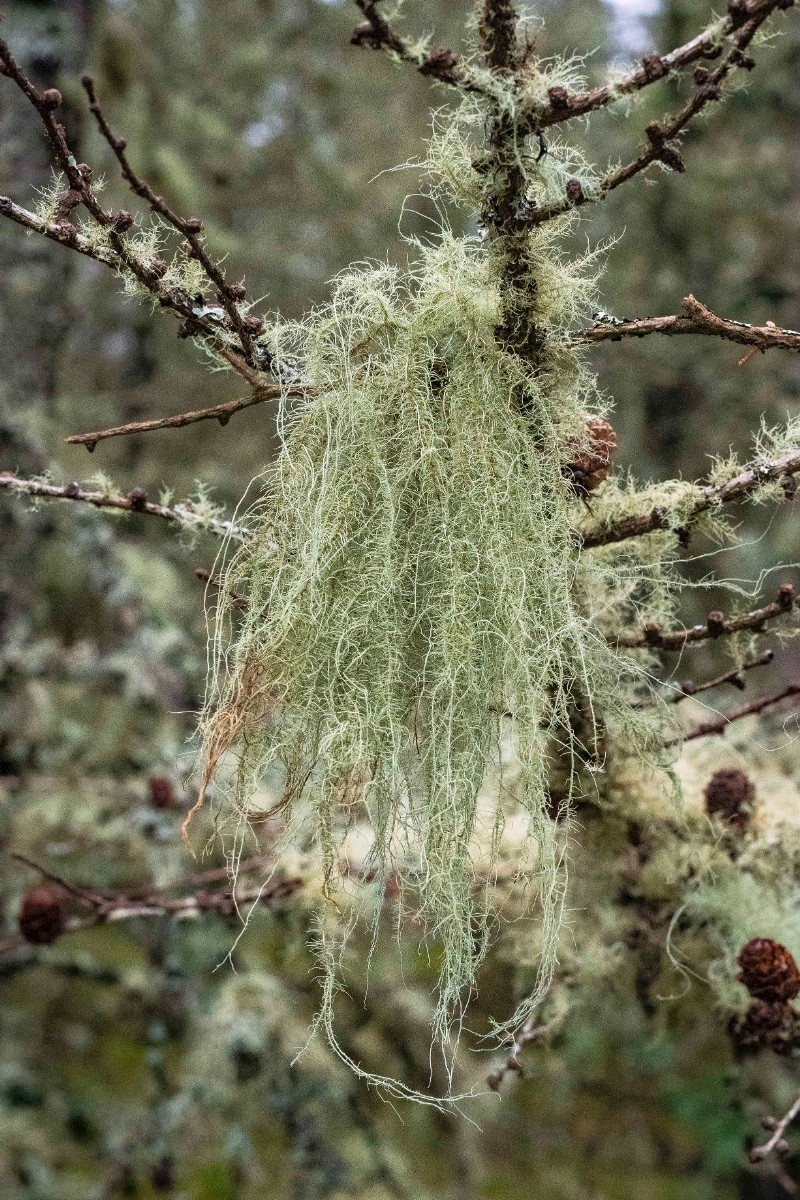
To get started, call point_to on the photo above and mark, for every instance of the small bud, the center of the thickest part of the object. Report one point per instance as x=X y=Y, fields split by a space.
x=494 y=1080
x=654 y=67
x=163 y=1174
x=670 y=157
x=558 y=97
x=653 y=635
x=655 y=134
x=786 y=597
x=123 y=220
x=574 y=191
x=138 y=499
x=701 y=75
x=72 y=489
x=51 y=98
x=193 y=225
x=715 y=624
x=365 y=35
x=769 y=1123
x=768 y=971
x=161 y=792
x=782 y=1148
x=740 y=59
x=67 y=202
x=253 y=324
x=440 y=63
x=42 y=916
x=158 y=267
x=85 y=172
x=237 y=291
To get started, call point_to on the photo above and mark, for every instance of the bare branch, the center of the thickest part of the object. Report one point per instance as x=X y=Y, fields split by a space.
x=715 y=626
x=719 y=724
x=711 y=496
x=136 y=501
x=219 y=412
x=696 y=320
x=735 y=677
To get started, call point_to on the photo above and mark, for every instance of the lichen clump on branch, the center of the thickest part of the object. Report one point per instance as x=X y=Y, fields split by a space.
x=410 y=589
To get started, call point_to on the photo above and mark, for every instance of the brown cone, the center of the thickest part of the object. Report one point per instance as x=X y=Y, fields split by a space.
x=590 y=465
x=768 y=970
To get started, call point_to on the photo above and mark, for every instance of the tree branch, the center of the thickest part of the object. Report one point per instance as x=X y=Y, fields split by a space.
x=715 y=626
x=706 y=497
x=118 y=252
x=229 y=296
x=696 y=320
x=219 y=412
x=746 y=17
x=136 y=501
x=719 y=724
x=563 y=105
x=759 y=1153
x=446 y=66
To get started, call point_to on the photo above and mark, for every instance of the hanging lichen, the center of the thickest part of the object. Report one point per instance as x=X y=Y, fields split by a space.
x=409 y=601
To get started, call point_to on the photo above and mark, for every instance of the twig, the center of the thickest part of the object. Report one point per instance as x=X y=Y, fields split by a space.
x=531 y=1032
x=712 y=495
x=136 y=501
x=156 y=903
x=735 y=676
x=747 y=19
x=219 y=412
x=696 y=320
x=446 y=66
x=715 y=626
x=759 y=1153
x=719 y=724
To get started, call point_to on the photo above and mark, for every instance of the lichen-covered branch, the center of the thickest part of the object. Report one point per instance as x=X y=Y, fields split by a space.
x=446 y=66
x=705 y=498
x=564 y=105
x=746 y=19
x=715 y=626
x=112 y=246
x=186 y=515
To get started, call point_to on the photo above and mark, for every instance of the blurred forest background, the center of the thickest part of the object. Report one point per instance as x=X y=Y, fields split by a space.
x=130 y=1064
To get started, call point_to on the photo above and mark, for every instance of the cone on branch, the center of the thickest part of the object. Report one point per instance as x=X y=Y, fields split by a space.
x=590 y=464
x=768 y=971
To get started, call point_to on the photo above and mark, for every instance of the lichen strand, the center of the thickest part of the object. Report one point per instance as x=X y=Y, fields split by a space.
x=409 y=594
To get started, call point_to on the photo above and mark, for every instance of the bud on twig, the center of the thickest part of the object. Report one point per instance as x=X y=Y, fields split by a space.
x=42 y=916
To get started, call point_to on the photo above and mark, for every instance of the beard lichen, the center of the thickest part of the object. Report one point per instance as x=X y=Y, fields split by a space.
x=409 y=603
